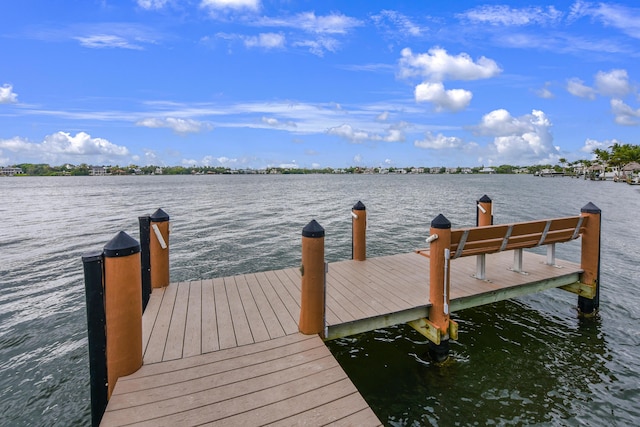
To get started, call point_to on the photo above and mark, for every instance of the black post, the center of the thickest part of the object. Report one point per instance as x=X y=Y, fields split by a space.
x=145 y=258
x=96 y=325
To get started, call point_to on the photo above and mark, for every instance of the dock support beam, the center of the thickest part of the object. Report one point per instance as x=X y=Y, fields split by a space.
x=439 y=290
x=313 y=280
x=359 y=227
x=123 y=307
x=590 y=259
x=159 y=249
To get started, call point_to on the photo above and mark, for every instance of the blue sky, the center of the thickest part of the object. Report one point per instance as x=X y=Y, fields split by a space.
x=258 y=83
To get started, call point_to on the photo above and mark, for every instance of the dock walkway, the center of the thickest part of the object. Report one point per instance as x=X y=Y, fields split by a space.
x=227 y=351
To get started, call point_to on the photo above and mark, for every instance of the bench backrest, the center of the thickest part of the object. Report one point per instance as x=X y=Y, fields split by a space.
x=504 y=237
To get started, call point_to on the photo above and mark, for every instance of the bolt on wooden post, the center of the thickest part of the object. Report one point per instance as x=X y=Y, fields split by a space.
x=358 y=234
x=590 y=258
x=312 y=301
x=123 y=307
x=159 y=249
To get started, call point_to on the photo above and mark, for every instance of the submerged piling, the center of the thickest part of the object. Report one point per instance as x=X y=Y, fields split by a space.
x=313 y=281
x=359 y=230
x=93 y=264
x=439 y=291
x=590 y=259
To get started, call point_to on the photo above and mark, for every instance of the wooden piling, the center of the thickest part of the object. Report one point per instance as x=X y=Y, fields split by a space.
x=159 y=249
x=484 y=211
x=590 y=258
x=359 y=227
x=439 y=291
x=312 y=302
x=123 y=307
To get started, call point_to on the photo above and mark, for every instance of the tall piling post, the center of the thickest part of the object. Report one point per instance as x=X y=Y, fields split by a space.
x=439 y=289
x=313 y=281
x=123 y=307
x=93 y=264
x=358 y=233
x=145 y=258
x=159 y=249
x=484 y=211
x=590 y=259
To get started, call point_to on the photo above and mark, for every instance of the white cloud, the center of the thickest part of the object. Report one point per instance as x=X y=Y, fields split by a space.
x=334 y=23
x=62 y=147
x=266 y=41
x=625 y=114
x=7 y=95
x=178 y=125
x=437 y=65
x=101 y=41
x=231 y=4
x=576 y=87
x=519 y=140
x=152 y=4
x=383 y=117
x=356 y=136
x=399 y=24
x=614 y=83
x=439 y=142
x=319 y=46
x=357 y=158
x=275 y=123
x=507 y=16
x=592 y=144
x=544 y=92
x=625 y=19
x=435 y=93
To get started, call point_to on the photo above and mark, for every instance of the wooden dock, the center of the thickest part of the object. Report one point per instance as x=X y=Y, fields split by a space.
x=227 y=351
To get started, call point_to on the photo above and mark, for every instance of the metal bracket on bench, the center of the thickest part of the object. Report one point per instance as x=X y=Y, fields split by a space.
x=517 y=262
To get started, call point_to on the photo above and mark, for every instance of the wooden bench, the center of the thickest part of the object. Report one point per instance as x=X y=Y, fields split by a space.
x=518 y=236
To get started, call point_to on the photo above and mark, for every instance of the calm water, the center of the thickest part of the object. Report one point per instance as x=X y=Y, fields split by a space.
x=528 y=361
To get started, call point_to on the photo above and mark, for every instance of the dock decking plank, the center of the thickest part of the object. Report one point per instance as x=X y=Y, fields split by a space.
x=274 y=328
x=238 y=315
x=254 y=317
x=193 y=327
x=158 y=339
x=288 y=323
x=226 y=333
x=150 y=316
x=209 y=324
x=175 y=338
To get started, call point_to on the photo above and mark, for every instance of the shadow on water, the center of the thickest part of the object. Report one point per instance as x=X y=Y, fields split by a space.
x=512 y=365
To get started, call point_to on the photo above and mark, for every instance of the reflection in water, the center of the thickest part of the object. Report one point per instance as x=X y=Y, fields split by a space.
x=512 y=365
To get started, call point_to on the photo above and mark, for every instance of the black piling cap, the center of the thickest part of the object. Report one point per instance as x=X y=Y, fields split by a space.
x=159 y=216
x=591 y=208
x=121 y=245
x=440 y=222
x=313 y=229
x=485 y=199
x=92 y=256
x=359 y=206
